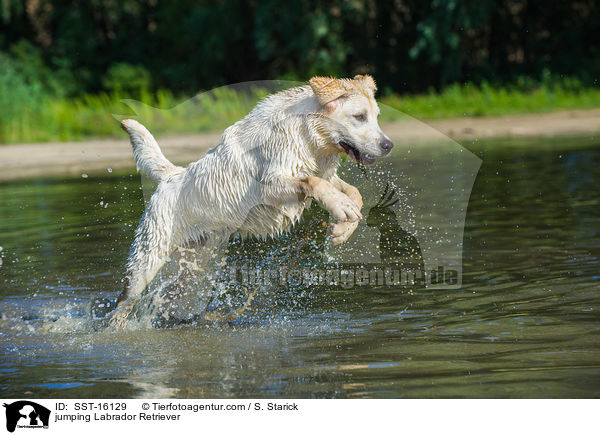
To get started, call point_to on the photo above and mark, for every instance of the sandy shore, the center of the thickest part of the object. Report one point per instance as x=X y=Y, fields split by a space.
x=93 y=156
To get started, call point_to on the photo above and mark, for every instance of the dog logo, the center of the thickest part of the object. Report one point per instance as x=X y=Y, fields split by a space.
x=396 y=245
x=26 y=414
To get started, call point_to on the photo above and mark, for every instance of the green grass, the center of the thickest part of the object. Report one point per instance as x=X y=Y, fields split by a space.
x=96 y=115
x=485 y=100
x=27 y=117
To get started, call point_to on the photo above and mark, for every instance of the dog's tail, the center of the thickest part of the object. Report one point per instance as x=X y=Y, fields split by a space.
x=149 y=159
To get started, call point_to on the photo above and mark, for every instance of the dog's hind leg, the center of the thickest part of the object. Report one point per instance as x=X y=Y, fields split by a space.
x=149 y=251
x=147 y=263
x=142 y=272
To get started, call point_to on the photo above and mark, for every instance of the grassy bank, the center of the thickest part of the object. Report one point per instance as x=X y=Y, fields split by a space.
x=52 y=119
x=41 y=118
x=486 y=100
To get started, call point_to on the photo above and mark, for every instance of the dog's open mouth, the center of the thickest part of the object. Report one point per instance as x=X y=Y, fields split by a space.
x=357 y=155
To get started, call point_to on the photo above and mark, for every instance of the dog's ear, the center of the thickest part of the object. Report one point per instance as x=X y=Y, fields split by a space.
x=328 y=91
x=366 y=82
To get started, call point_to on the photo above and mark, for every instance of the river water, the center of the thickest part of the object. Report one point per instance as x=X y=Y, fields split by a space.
x=523 y=323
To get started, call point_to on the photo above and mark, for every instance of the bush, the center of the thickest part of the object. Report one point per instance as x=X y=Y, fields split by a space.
x=20 y=98
x=126 y=79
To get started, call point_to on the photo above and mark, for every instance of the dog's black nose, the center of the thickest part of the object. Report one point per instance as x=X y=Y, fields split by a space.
x=386 y=145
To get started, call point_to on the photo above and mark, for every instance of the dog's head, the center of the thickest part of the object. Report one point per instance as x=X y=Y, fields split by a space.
x=351 y=112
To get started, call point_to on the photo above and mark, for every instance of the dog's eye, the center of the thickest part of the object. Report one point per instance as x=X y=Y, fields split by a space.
x=361 y=117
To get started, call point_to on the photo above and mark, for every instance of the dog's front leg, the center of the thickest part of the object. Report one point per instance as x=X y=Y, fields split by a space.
x=286 y=191
x=339 y=204
x=343 y=230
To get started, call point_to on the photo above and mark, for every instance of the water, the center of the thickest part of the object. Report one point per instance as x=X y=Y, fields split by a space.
x=525 y=322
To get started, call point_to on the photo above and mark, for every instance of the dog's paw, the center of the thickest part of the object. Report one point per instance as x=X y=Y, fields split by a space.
x=342 y=208
x=123 y=314
x=342 y=231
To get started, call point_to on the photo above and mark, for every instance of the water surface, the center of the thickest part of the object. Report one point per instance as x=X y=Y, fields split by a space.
x=525 y=322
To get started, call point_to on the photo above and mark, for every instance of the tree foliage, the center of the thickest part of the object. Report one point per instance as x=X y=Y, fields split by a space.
x=409 y=45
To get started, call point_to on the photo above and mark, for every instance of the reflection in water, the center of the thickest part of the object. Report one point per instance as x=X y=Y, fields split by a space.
x=525 y=322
